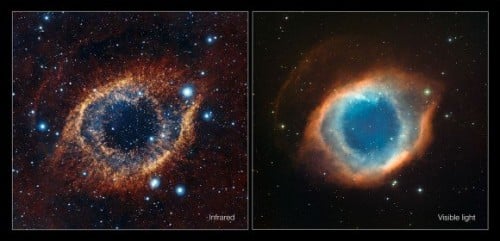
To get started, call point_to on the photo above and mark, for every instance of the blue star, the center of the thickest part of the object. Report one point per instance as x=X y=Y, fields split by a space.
x=187 y=91
x=154 y=183
x=180 y=190
x=211 y=39
x=46 y=17
x=207 y=115
x=42 y=126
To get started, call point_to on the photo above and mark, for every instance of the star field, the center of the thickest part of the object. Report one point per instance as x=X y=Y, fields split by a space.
x=369 y=120
x=129 y=120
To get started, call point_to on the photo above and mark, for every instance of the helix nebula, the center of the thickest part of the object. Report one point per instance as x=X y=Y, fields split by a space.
x=370 y=128
x=130 y=120
x=370 y=120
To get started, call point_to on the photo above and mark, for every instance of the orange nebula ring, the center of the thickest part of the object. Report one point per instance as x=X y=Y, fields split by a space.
x=73 y=155
x=319 y=156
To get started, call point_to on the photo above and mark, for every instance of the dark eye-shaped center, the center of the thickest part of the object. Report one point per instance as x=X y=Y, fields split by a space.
x=129 y=126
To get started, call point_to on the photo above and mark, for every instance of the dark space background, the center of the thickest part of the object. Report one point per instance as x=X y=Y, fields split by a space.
x=452 y=175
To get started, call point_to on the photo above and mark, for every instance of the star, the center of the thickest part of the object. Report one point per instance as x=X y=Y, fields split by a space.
x=207 y=115
x=420 y=190
x=187 y=91
x=154 y=183
x=42 y=126
x=427 y=91
x=211 y=39
x=180 y=190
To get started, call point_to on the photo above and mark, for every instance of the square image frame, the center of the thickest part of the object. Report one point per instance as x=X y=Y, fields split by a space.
x=308 y=65
x=173 y=91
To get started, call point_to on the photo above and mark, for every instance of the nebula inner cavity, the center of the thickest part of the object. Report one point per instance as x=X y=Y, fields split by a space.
x=127 y=127
x=370 y=124
x=365 y=127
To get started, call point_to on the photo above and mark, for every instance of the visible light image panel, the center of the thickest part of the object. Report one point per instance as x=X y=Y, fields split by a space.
x=130 y=120
x=370 y=120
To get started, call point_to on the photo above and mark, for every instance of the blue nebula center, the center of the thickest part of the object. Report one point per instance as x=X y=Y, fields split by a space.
x=128 y=126
x=370 y=125
x=365 y=128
